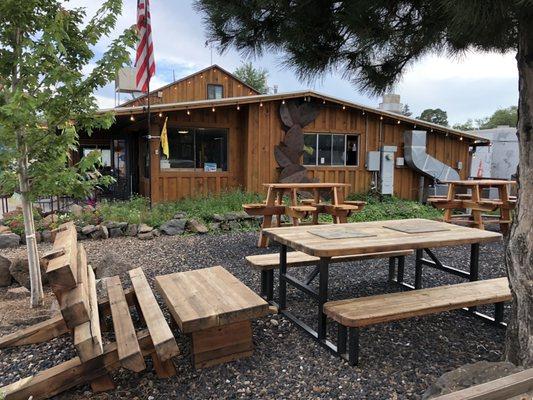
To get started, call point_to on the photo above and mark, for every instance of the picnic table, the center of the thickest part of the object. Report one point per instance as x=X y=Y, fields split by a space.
x=475 y=202
x=338 y=207
x=327 y=241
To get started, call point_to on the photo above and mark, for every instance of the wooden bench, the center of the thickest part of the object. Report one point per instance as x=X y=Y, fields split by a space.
x=216 y=309
x=267 y=263
x=353 y=314
x=74 y=285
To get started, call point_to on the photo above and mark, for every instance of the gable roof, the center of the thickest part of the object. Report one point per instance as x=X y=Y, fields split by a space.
x=185 y=78
x=234 y=101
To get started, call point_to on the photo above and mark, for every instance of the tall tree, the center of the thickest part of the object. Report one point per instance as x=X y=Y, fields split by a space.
x=406 y=110
x=45 y=97
x=255 y=77
x=373 y=42
x=435 y=115
x=503 y=116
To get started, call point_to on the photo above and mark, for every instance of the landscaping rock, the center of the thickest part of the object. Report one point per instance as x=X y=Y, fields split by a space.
x=173 y=227
x=219 y=218
x=88 y=229
x=131 y=230
x=469 y=375
x=47 y=236
x=76 y=210
x=115 y=232
x=214 y=226
x=17 y=293
x=111 y=264
x=101 y=232
x=4 y=229
x=180 y=215
x=9 y=240
x=143 y=228
x=236 y=215
x=146 y=236
x=234 y=225
x=5 y=275
x=49 y=220
x=115 y=225
x=196 y=226
x=19 y=270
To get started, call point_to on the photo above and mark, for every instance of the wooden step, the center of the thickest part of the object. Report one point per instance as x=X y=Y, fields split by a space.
x=164 y=343
x=395 y=306
x=61 y=271
x=129 y=352
x=303 y=208
x=299 y=259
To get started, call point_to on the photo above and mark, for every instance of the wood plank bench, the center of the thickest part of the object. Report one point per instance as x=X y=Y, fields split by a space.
x=353 y=314
x=216 y=309
x=267 y=263
x=74 y=285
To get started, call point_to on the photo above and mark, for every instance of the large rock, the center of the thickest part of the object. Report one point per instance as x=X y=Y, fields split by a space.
x=469 y=375
x=88 y=229
x=4 y=229
x=115 y=232
x=47 y=236
x=49 y=220
x=219 y=218
x=5 y=275
x=146 y=235
x=20 y=272
x=101 y=232
x=76 y=210
x=180 y=215
x=110 y=265
x=236 y=216
x=173 y=227
x=9 y=240
x=196 y=226
x=143 y=228
x=115 y=225
x=131 y=230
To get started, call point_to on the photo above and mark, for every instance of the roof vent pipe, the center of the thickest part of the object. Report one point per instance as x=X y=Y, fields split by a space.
x=417 y=158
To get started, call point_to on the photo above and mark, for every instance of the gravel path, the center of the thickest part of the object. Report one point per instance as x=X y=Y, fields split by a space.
x=398 y=360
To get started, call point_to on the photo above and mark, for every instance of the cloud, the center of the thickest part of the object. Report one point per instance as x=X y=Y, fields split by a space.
x=471 y=86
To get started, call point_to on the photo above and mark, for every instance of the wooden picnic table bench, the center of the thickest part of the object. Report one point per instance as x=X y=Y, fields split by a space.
x=81 y=314
x=365 y=311
x=296 y=210
x=473 y=201
x=267 y=263
x=216 y=309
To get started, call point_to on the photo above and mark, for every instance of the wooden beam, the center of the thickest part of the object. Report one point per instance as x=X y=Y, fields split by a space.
x=71 y=373
x=38 y=333
x=164 y=342
x=61 y=271
x=88 y=337
x=103 y=304
x=129 y=352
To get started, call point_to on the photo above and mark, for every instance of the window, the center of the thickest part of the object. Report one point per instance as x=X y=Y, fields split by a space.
x=104 y=152
x=197 y=148
x=331 y=149
x=215 y=91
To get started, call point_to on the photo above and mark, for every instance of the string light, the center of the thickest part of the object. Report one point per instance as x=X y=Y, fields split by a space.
x=132 y=118
x=431 y=130
x=160 y=115
x=283 y=101
x=398 y=122
x=202 y=76
x=461 y=138
x=188 y=112
x=344 y=107
x=323 y=101
x=363 y=112
x=238 y=107
x=414 y=127
x=189 y=82
x=381 y=117
x=213 y=109
x=261 y=104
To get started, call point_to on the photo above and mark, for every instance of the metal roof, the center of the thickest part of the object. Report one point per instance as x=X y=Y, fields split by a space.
x=243 y=100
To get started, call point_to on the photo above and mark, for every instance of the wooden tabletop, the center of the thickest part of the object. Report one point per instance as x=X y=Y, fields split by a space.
x=482 y=182
x=209 y=297
x=317 y=185
x=378 y=236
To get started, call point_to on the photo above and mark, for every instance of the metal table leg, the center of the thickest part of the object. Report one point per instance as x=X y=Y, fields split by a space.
x=323 y=266
x=282 y=275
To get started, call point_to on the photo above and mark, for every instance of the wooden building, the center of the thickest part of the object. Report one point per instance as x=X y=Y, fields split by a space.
x=224 y=135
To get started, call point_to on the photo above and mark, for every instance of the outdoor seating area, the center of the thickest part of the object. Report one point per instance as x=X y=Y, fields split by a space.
x=298 y=208
x=501 y=207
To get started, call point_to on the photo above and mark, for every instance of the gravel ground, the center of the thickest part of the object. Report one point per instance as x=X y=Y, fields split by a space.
x=399 y=360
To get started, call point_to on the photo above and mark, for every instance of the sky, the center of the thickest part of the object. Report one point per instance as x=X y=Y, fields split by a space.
x=473 y=86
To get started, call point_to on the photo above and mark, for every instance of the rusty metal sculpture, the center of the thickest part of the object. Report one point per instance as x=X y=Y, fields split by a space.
x=288 y=153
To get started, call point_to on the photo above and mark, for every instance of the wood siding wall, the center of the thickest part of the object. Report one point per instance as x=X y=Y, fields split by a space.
x=195 y=88
x=266 y=130
x=168 y=185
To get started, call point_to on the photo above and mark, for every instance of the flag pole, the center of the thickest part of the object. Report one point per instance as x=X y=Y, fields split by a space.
x=149 y=146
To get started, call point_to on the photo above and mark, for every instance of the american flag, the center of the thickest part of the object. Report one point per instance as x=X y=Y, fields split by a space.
x=144 y=60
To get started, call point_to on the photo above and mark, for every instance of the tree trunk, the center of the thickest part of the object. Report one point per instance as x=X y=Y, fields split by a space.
x=519 y=249
x=29 y=228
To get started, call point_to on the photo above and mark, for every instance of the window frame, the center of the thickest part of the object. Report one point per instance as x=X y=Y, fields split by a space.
x=215 y=85
x=195 y=130
x=317 y=134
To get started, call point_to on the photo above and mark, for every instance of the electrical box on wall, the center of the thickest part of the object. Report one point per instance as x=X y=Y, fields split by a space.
x=372 y=161
x=386 y=184
x=400 y=161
